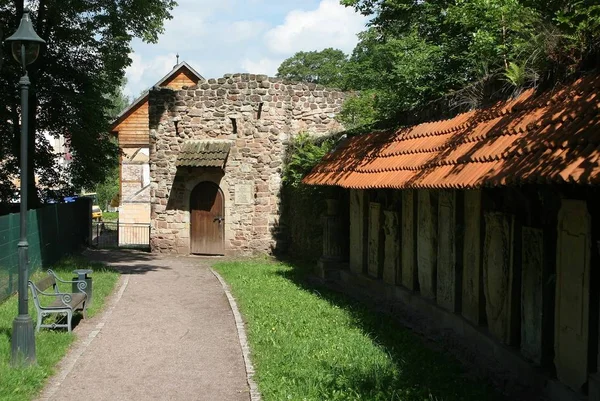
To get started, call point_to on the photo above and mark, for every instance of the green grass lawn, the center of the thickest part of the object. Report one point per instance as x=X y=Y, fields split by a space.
x=51 y=345
x=110 y=216
x=312 y=344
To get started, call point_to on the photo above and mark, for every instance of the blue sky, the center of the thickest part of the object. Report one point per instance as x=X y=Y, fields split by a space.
x=217 y=37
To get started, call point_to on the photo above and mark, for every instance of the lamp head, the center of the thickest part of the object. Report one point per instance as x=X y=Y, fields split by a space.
x=25 y=38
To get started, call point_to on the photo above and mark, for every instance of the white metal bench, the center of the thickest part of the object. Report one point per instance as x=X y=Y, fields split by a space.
x=63 y=303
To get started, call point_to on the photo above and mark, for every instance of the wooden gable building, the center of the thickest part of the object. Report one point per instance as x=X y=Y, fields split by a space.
x=132 y=128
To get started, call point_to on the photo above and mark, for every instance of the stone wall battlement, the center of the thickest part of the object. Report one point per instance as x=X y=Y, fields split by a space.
x=258 y=115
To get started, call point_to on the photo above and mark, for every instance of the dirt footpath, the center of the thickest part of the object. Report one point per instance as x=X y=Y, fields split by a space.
x=167 y=334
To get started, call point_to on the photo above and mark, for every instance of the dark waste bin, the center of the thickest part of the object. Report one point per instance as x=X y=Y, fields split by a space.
x=82 y=275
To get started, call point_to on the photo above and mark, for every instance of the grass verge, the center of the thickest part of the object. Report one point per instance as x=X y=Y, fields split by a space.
x=313 y=344
x=51 y=345
x=110 y=216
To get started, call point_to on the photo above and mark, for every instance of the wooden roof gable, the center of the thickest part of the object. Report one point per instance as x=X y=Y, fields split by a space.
x=181 y=75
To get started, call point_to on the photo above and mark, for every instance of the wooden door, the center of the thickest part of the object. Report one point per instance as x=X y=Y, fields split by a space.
x=207 y=219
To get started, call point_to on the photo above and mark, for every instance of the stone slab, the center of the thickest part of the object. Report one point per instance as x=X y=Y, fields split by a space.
x=243 y=194
x=357 y=230
x=531 y=293
x=374 y=239
x=506 y=364
x=409 y=265
x=571 y=319
x=332 y=241
x=391 y=261
x=472 y=269
x=446 y=295
x=594 y=387
x=427 y=244
x=498 y=276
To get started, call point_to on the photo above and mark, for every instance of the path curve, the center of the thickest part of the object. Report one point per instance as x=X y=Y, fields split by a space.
x=170 y=335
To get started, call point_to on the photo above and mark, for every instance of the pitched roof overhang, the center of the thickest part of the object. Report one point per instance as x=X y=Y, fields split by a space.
x=204 y=153
x=553 y=137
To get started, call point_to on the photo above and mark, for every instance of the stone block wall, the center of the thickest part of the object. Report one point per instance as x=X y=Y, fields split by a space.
x=258 y=115
x=510 y=266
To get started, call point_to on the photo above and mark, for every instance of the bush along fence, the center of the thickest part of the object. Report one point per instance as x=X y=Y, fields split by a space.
x=52 y=232
x=303 y=206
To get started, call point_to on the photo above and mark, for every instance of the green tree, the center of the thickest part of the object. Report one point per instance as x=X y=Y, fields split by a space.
x=359 y=110
x=118 y=101
x=82 y=65
x=108 y=189
x=415 y=52
x=323 y=67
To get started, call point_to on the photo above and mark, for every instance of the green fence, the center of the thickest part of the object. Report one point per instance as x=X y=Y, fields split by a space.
x=52 y=232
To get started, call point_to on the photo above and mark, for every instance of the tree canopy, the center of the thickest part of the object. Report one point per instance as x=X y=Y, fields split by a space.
x=74 y=84
x=461 y=52
x=323 y=67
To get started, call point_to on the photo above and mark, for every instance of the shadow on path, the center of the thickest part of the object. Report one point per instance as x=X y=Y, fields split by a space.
x=128 y=261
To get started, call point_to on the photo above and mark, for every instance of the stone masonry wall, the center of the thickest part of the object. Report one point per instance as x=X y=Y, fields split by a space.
x=259 y=115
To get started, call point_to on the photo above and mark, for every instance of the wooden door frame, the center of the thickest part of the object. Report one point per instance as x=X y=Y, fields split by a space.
x=223 y=208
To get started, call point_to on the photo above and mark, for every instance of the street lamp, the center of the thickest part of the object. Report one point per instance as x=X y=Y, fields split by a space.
x=25 y=45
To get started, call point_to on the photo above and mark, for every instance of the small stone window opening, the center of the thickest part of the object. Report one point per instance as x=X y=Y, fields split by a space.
x=176 y=120
x=234 y=124
x=259 y=112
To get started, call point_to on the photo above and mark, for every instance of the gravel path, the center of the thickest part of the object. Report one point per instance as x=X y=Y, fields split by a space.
x=168 y=333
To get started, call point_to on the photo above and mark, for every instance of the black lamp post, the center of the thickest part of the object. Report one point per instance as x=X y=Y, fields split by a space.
x=25 y=45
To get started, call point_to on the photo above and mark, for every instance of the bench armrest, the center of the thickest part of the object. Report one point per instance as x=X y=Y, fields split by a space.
x=65 y=298
x=81 y=284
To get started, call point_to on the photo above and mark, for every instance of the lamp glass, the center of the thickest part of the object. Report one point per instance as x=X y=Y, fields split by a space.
x=32 y=51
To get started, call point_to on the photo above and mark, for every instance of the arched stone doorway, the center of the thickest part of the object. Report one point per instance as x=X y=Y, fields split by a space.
x=207 y=213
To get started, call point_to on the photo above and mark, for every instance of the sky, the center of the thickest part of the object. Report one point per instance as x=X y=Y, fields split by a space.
x=218 y=37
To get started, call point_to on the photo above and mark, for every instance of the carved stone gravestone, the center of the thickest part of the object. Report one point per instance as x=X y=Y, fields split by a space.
x=427 y=244
x=531 y=294
x=391 y=261
x=332 y=232
x=498 y=277
x=446 y=258
x=471 y=287
x=594 y=378
x=571 y=320
x=409 y=266
x=357 y=229
x=374 y=229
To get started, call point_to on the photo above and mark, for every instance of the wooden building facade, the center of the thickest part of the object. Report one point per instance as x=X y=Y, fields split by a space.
x=132 y=128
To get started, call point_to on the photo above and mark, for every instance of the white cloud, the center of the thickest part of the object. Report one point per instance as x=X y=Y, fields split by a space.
x=135 y=71
x=267 y=66
x=142 y=71
x=240 y=31
x=330 y=25
x=228 y=36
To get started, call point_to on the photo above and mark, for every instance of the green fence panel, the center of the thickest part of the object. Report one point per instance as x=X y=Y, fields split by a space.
x=5 y=257
x=33 y=238
x=53 y=232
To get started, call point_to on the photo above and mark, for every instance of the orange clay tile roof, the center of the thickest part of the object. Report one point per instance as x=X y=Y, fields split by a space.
x=550 y=138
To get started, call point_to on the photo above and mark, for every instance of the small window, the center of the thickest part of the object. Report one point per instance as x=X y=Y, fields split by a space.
x=259 y=112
